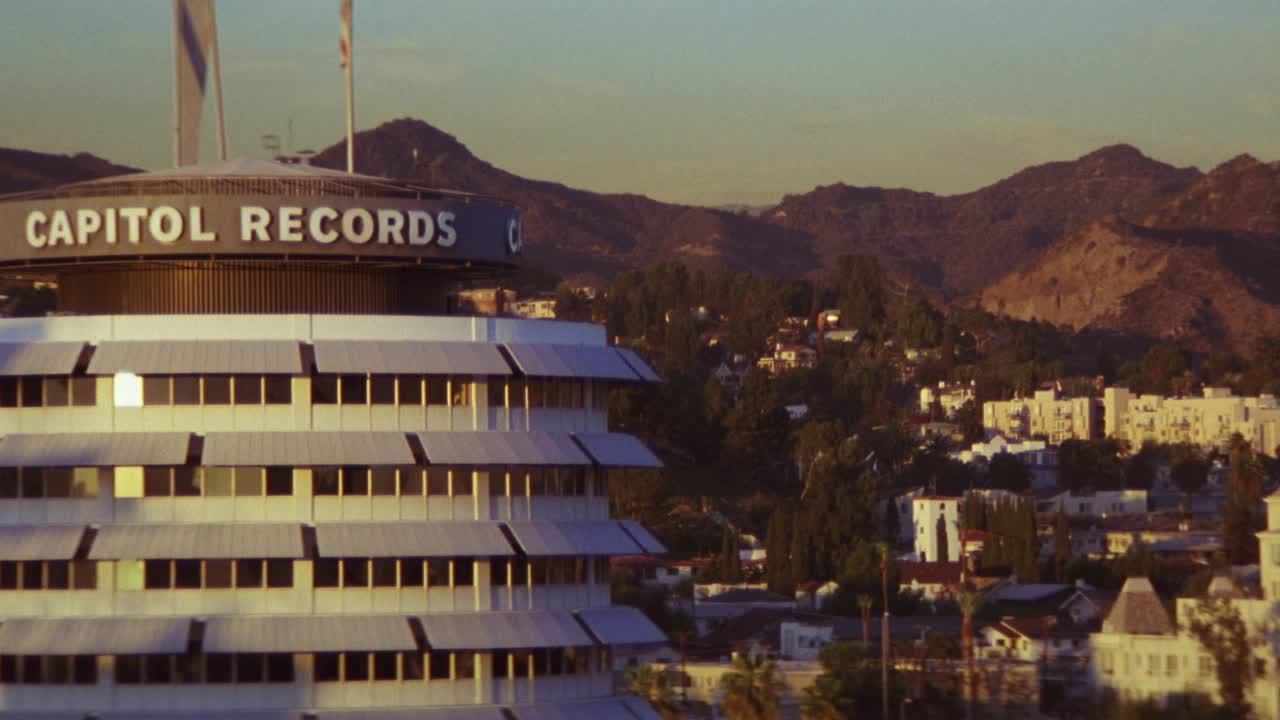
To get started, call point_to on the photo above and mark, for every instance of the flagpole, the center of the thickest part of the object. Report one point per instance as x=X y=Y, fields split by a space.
x=177 y=85
x=217 y=86
x=351 y=106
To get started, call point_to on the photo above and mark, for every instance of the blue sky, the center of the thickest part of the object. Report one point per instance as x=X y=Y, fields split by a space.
x=701 y=101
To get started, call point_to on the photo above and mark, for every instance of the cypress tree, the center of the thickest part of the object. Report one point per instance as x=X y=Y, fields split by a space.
x=731 y=565
x=1061 y=546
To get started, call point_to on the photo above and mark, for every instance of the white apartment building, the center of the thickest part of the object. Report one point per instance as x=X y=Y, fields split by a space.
x=929 y=514
x=1141 y=654
x=950 y=396
x=258 y=477
x=1208 y=421
x=1101 y=503
x=1041 y=460
x=1045 y=416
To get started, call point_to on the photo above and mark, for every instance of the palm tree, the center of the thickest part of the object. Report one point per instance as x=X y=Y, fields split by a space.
x=751 y=690
x=651 y=684
x=885 y=558
x=864 y=606
x=970 y=601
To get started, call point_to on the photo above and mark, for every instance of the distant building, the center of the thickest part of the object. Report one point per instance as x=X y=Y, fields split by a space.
x=926 y=512
x=1143 y=654
x=1100 y=503
x=789 y=357
x=815 y=594
x=1045 y=416
x=1208 y=421
x=1042 y=461
x=951 y=397
x=537 y=308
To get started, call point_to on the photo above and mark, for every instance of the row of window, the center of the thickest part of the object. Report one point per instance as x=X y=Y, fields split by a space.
x=278 y=573
x=326 y=389
x=217 y=390
x=191 y=481
x=49 y=391
x=278 y=668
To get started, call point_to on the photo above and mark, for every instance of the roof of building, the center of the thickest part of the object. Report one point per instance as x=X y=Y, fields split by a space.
x=1138 y=611
x=748 y=595
x=1030 y=592
x=930 y=573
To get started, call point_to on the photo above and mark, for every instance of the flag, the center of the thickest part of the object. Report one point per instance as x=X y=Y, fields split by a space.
x=193 y=44
x=344 y=44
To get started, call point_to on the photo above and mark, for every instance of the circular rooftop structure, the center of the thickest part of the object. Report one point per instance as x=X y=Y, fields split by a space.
x=256 y=236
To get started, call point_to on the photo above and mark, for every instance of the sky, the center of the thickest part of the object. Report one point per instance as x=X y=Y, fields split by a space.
x=696 y=101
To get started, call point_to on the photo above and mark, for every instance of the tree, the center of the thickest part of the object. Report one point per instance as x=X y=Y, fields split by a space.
x=730 y=562
x=865 y=603
x=1009 y=472
x=1222 y=633
x=777 y=543
x=653 y=686
x=1241 y=518
x=1061 y=546
x=751 y=690
x=1188 y=469
x=970 y=602
x=571 y=305
x=940 y=535
x=1160 y=367
x=1140 y=470
x=849 y=685
x=858 y=283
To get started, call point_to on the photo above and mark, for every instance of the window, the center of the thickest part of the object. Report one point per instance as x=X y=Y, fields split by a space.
x=32 y=396
x=130 y=575
x=248 y=573
x=325 y=481
x=501 y=664
x=536 y=393
x=437 y=391
x=248 y=481
x=128 y=669
x=84 y=574
x=186 y=390
x=409 y=389
x=9 y=483
x=279 y=481
x=384 y=572
x=186 y=482
x=84 y=670
x=156 y=482
x=437 y=481
x=326 y=573
x=186 y=574
x=385 y=666
x=217 y=390
x=498 y=572
x=248 y=389
x=411 y=572
x=438 y=664
x=410 y=481
x=217 y=481
x=155 y=390
x=84 y=391
x=355 y=481
x=57 y=482
x=463 y=481
x=412 y=666
x=497 y=390
x=250 y=668
x=464 y=665
x=463 y=572
x=279 y=573
x=498 y=483
x=158 y=575
x=218 y=668
x=382 y=389
x=355 y=572
x=355 y=666
x=324 y=390
x=278 y=389
x=328 y=667
x=353 y=390
x=515 y=392
x=437 y=573
x=461 y=392
x=57 y=391
x=279 y=668
x=8 y=392
x=158 y=669
x=383 y=481
x=218 y=574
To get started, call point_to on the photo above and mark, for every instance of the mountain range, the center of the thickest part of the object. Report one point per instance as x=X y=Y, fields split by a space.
x=1112 y=241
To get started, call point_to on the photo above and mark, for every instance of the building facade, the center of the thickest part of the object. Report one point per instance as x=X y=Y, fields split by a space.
x=1208 y=421
x=254 y=469
x=1045 y=416
x=937 y=524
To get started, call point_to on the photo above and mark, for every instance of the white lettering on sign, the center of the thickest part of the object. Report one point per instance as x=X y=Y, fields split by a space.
x=169 y=225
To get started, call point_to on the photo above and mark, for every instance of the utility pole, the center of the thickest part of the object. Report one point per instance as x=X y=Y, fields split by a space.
x=884 y=630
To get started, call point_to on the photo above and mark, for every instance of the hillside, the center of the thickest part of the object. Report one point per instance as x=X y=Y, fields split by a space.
x=22 y=170
x=961 y=243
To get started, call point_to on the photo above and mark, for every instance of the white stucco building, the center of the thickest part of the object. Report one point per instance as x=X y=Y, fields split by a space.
x=1142 y=654
x=1208 y=421
x=1045 y=416
x=932 y=513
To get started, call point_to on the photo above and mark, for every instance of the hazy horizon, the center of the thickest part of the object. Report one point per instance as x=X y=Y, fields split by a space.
x=714 y=103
